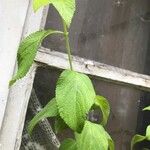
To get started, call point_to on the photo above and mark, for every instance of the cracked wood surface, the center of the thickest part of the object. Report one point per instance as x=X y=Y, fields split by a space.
x=100 y=70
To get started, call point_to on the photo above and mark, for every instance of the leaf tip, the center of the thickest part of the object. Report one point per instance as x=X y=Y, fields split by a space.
x=35 y=8
x=146 y=108
x=11 y=82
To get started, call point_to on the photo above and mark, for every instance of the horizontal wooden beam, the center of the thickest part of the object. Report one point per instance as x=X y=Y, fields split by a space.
x=100 y=70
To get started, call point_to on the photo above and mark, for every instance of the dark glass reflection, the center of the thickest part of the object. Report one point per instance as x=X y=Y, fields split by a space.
x=114 y=32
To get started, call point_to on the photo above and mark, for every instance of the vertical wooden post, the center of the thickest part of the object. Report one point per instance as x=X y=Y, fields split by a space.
x=18 y=20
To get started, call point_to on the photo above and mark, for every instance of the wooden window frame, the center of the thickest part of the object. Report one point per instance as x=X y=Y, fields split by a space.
x=16 y=98
x=13 y=104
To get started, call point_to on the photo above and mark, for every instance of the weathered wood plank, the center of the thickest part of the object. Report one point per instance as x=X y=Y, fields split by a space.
x=10 y=136
x=100 y=70
x=12 y=21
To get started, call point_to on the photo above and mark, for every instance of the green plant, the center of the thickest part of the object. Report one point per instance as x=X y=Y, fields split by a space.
x=139 y=138
x=74 y=96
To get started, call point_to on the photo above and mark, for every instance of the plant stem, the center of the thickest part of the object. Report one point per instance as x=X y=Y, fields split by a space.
x=67 y=44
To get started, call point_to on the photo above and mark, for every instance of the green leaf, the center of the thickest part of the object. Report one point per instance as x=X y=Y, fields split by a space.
x=148 y=133
x=105 y=108
x=50 y=110
x=147 y=108
x=68 y=144
x=111 y=144
x=92 y=137
x=27 y=52
x=75 y=96
x=139 y=138
x=59 y=125
x=136 y=139
x=66 y=8
x=40 y=3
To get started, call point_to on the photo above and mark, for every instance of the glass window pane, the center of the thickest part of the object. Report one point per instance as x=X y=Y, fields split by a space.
x=126 y=103
x=115 y=32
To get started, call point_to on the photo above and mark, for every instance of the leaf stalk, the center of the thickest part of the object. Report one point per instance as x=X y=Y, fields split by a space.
x=66 y=35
